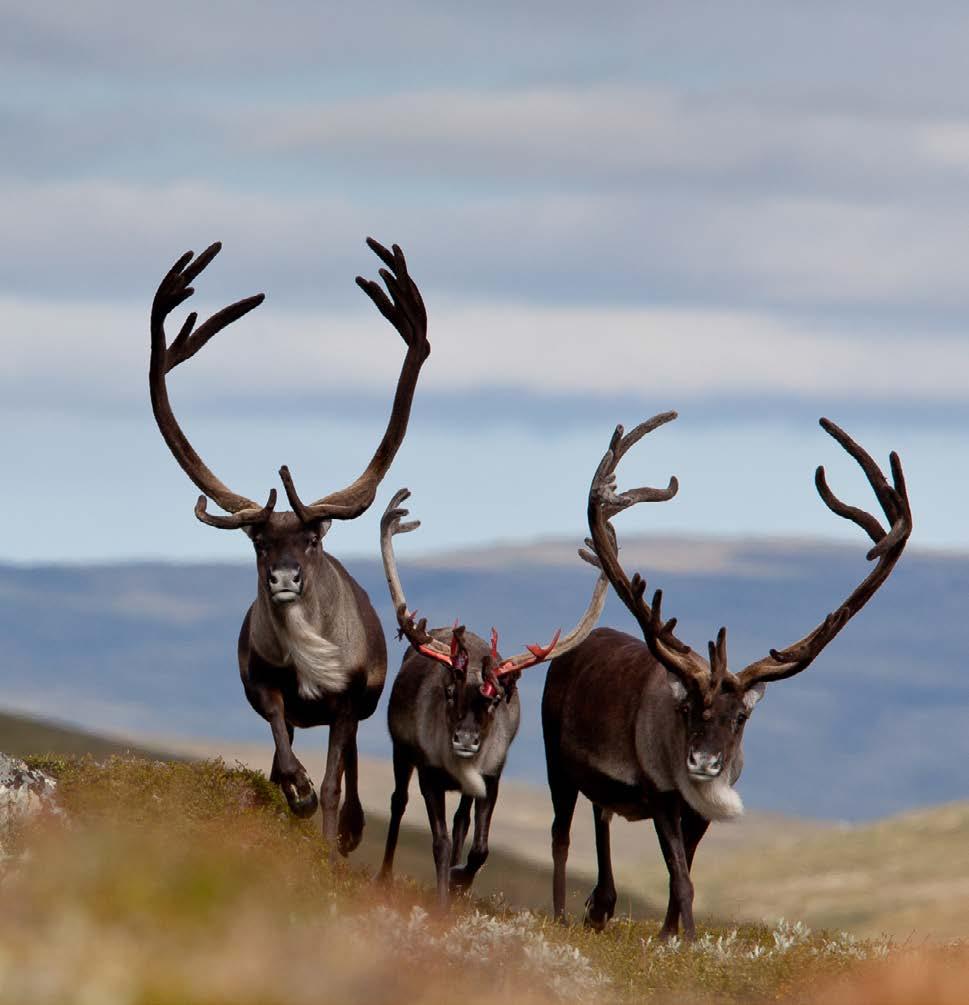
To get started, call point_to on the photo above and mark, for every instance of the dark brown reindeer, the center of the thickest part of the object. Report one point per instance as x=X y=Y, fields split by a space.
x=454 y=711
x=311 y=650
x=663 y=736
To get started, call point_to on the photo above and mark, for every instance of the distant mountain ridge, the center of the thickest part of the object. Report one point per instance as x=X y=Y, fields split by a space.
x=873 y=728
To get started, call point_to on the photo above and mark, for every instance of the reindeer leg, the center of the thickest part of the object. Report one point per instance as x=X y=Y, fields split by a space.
x=287 y=772
x=275 y=775
x=340 y=731
x=694 y=827
x=667 y=818
x=602 y=900
x=563 y=805
x=459 y=828
x=461 y=879
x=433 y=794
x=351 y=814
x=398 y=803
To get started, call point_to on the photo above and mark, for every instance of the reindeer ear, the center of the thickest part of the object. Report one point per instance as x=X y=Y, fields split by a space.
x=676 y=686
x=753 y=695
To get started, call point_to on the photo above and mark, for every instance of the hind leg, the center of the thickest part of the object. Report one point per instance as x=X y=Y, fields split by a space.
x=564 y=797
x=403 y=769
x=602 y=900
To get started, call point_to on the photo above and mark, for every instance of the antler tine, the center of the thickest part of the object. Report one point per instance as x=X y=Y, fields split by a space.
x=174 y=289
x=417 y=635
x=406 y=312
x=888 y=548
x=244 y=518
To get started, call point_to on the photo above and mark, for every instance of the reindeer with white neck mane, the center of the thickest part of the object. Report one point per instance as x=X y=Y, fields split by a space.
x=454 y=712
x=663 y=736
x=311 y=650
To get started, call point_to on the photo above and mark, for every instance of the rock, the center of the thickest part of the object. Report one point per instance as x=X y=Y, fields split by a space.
x=24 y=792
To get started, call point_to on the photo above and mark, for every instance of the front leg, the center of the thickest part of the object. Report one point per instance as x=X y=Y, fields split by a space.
x=459 y=828
x=350 y=830
x=433 y=793
x=342 y=734
x=287 y=772
x=667 y=818
x=462 y=878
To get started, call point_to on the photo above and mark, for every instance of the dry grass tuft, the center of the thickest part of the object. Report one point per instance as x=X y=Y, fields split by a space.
x=191 y=883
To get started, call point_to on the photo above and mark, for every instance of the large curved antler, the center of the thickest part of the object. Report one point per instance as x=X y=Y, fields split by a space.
x=174 y=289
x=408 y=315
x=888 y=548
x=605 y=503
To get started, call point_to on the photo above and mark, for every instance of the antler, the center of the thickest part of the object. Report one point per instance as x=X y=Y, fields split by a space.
x=416 y=634
x=605 y=503
x=408 y=315
x=535 y=654
x=888 y=548
x=175 y=289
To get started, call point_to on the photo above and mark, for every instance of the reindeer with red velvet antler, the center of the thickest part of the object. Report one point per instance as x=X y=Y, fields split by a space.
x=311 y=650
x=454 y=711
x=662 y=735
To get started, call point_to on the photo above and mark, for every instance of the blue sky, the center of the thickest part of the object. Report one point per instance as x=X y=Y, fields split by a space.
x=755 y=213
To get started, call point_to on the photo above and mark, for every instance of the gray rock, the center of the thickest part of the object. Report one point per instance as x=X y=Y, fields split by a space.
x=24 y=792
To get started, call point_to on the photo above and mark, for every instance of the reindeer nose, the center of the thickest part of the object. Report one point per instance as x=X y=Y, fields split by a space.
x=699 y=763
x=285 y=581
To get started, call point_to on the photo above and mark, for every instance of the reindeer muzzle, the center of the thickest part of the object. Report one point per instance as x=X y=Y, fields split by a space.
x=704 y=767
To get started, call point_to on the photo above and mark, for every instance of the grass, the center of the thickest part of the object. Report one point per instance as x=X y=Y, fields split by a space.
x=191 y=883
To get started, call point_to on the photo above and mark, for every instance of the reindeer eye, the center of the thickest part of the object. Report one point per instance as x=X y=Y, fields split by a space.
x=449 y=692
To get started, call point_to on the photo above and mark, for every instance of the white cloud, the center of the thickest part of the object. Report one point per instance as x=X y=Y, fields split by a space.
x=73 y=350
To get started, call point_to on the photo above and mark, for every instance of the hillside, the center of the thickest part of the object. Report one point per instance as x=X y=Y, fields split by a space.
x=904 y=876
x=192 y=883
x=149 y=649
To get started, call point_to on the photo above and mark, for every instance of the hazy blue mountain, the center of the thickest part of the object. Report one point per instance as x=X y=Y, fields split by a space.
x=878 y=724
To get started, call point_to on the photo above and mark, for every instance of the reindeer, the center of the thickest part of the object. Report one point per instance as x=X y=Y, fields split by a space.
x=454 y=711
x=311 y=650
x=663 y=736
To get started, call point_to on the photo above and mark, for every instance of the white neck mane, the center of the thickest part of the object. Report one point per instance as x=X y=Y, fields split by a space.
x=319 y=663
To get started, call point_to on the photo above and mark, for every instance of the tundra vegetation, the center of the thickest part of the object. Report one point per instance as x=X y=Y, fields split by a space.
x=187 y=882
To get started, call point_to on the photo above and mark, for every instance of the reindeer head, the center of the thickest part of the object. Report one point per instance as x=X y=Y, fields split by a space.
x=288 y=545
x=714 y=711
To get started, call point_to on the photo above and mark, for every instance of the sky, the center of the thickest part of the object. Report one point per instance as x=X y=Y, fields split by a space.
x=754 y=213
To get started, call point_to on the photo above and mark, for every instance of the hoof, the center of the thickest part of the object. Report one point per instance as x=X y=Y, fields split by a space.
x=597 y=912
x=301 y=797
x=350 y=832
x=459 y=881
